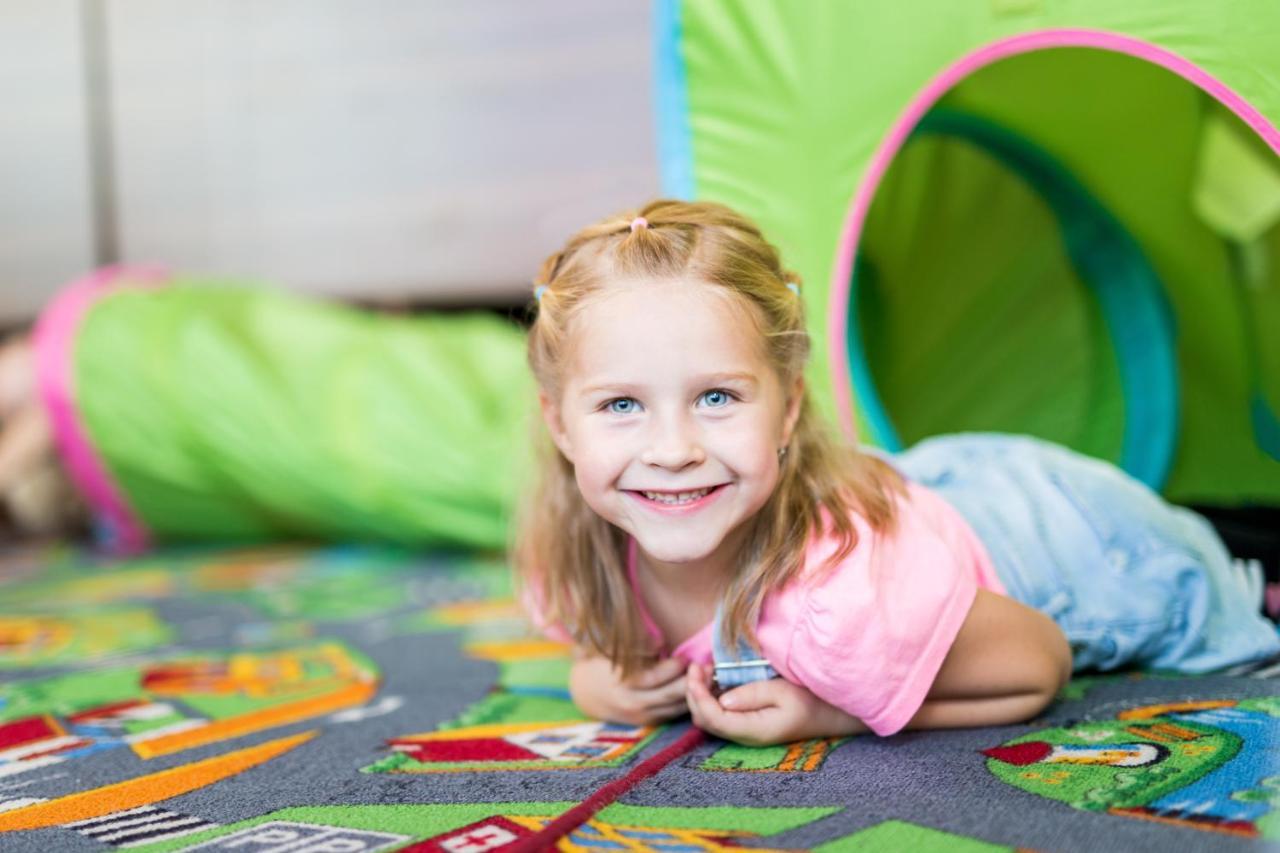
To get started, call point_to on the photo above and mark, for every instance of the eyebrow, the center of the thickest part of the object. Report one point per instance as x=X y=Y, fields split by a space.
x=709 y=379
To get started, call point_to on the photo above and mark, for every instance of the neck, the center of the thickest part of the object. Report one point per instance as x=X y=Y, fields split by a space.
x=700 y=580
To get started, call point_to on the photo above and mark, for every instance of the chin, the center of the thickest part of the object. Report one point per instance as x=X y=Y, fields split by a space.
x=677 y=552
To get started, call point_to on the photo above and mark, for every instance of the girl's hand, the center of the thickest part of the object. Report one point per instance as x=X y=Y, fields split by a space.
x=765 y=712
x=647 y=698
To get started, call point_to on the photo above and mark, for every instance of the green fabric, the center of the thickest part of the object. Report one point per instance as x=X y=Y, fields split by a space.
x=945 y=193
x=1006 y=300
x=788 y=102
x=1237 y=182
x=1237 y=194
x=1132 y=134
x=228 y=412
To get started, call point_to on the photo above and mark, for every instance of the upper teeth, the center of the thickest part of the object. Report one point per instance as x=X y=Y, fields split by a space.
x=676 y=498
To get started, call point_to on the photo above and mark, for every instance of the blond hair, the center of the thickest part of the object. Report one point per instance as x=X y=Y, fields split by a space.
x=572 y=560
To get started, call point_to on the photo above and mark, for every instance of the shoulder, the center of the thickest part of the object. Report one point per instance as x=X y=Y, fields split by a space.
x=924 y=524
x=883 y=570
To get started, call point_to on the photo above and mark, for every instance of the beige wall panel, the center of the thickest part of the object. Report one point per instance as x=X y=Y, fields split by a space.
x=46 y=232
x=376 y=147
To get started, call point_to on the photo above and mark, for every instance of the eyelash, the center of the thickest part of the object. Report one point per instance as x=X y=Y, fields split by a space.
x=732 y=397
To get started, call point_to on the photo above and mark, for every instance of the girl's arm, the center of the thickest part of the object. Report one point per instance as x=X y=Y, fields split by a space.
x=1005 y=666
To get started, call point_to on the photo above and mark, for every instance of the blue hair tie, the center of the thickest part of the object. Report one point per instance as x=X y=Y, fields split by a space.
x=793 y=287
x=538 y=291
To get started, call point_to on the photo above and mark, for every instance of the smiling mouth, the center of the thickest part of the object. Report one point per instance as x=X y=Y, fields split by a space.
x=677 y=498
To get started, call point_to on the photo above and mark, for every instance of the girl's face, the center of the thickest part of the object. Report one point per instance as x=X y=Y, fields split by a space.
x=672 y=416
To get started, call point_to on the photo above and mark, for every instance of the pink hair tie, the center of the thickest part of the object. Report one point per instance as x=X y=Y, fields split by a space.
x=638 y=223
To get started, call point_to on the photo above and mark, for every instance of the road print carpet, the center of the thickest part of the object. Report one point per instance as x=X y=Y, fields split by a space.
x=296 y=699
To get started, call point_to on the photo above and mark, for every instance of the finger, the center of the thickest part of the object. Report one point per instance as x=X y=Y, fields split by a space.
x=700 y=700
x=751 y=697
x=670 y=712
x=663 y=672
x=750 y=727
x=672 y=691
x=698 y=715
x=709 y=716
x=699 y=673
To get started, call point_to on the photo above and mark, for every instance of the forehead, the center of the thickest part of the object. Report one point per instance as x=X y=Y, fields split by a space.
x=664 y=328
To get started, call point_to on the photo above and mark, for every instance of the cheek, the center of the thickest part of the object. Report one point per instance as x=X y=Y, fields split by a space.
x=598 y=465
x=753 y=449
x=592 y=486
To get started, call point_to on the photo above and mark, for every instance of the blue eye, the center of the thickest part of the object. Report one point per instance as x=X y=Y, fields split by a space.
x=622 y=406
x=717 y=398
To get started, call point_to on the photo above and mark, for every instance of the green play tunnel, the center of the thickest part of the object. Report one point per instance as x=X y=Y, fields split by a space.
x=1054 y=218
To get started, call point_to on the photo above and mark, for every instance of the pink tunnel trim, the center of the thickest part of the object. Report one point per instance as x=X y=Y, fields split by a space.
x=54 y=341
x=838 y=301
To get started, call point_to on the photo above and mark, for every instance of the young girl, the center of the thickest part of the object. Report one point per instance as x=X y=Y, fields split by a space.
x=692 y=517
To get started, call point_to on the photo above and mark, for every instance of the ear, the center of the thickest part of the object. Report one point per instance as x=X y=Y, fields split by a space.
x=795 y=401
x=555 y=424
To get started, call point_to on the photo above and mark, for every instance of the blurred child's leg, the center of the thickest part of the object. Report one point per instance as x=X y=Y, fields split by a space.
x=35 y=494
x=17 y=375
x=24 y=441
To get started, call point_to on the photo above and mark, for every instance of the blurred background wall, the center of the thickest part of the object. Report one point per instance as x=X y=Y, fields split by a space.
x=421 y=150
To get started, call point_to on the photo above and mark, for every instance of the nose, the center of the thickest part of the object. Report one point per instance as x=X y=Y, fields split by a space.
x=673 y=444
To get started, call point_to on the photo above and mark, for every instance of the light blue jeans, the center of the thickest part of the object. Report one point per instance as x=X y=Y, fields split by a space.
x=735 y=666
x=1131 y=579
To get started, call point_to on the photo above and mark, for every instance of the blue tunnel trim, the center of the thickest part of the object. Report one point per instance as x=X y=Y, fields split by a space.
x=671 y=103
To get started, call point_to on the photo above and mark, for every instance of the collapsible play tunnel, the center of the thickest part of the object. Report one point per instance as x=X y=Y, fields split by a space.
x=192 y=408
x=1057 y=217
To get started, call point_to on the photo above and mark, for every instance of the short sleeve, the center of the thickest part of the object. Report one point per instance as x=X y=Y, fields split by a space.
x=871 y=636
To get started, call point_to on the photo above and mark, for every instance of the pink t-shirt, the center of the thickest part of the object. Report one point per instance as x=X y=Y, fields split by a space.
x=870 y=635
